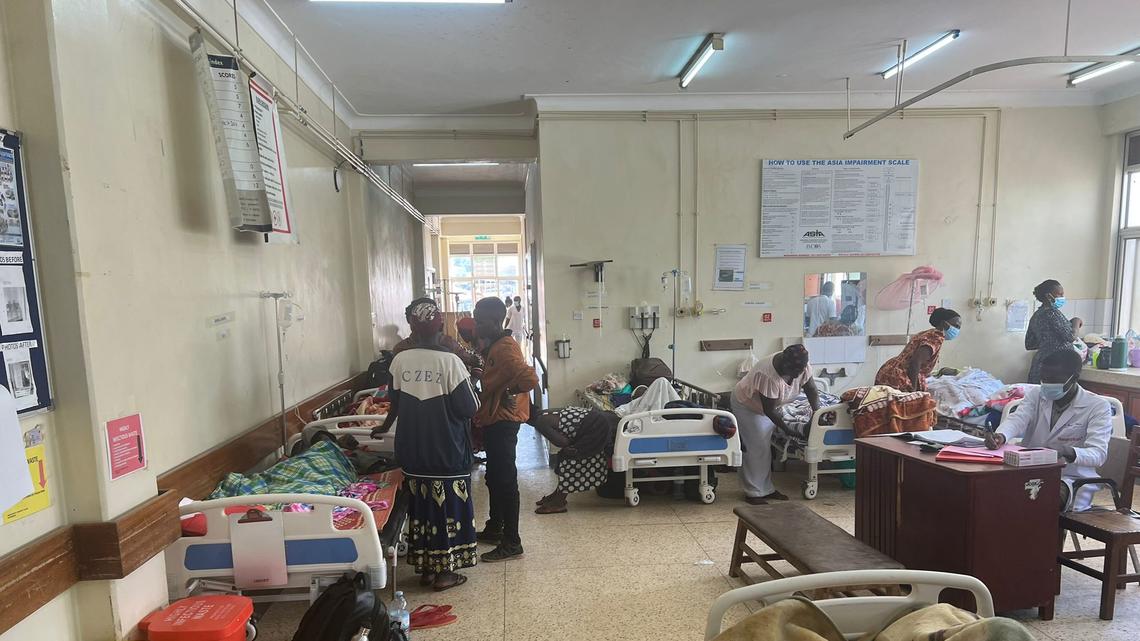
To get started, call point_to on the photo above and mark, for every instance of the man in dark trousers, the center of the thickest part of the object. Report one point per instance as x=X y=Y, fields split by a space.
x=507 y=382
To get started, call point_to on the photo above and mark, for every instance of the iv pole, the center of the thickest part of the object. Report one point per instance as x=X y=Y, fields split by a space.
x=277 y=297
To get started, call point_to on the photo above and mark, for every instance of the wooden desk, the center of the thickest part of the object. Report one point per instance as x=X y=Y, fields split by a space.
x=982 y=520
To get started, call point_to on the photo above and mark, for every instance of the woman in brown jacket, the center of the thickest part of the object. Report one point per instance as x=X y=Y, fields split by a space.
x=505 y=403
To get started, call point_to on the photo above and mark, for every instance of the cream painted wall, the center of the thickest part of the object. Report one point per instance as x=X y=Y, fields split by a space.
x=1054 y=196
x=482 y=225
x=1121 y=116
x=395 y=261
x=127 y=193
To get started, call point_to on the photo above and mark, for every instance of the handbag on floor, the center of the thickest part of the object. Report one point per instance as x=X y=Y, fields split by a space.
x=348 y=611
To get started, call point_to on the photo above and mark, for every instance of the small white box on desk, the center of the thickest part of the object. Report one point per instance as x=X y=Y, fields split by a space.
x=1032 y=456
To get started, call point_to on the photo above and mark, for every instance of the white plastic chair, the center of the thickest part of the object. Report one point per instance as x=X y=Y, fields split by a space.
x=855 y=616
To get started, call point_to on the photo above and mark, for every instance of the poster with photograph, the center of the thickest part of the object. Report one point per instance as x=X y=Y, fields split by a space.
x=15 y=315
x=11 y=223
x=18 y=369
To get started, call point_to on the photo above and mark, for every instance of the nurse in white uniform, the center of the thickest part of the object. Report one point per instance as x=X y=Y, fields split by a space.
x=1063 y=416
x=776 y=380
x=820 y=309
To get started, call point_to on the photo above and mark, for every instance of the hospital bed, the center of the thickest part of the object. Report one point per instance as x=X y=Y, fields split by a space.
x=317 y=551
x=673 y=438
x=855 y=616
x=828 y=438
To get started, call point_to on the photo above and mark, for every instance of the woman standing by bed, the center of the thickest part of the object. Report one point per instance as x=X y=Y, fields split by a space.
x=434 y=402
x=1049 y=331
x=907 y=372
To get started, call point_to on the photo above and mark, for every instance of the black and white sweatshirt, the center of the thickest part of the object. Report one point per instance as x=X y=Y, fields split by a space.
x=434 y=402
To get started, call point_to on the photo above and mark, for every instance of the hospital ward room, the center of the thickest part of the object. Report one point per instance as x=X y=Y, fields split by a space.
x=540 y=320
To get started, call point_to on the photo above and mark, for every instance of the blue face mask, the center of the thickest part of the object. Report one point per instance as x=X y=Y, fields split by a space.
x=1055 y=391
x=1058 y=302
x=952 y=333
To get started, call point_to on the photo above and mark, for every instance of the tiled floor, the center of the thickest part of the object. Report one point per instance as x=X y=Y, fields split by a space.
x=607 y=571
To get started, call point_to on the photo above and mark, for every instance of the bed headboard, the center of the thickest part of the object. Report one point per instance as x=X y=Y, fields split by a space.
x=337 y=406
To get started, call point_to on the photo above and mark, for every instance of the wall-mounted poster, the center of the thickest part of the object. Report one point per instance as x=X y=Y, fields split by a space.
x=838 y=207
x=23 y=359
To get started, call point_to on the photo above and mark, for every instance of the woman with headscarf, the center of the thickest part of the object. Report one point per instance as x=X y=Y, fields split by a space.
x=433 y=401
x=907 y=372
x=585 y=438
x=774 y=381
x=1049 y=331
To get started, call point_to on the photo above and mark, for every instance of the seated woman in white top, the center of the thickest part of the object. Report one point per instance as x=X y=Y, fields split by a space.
x=776 y=380
x=1063 y=416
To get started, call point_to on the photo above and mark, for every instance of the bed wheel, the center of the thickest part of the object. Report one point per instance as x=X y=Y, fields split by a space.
x=632 y=498
x=810 y=489
x=708 y=495
x=250 y=630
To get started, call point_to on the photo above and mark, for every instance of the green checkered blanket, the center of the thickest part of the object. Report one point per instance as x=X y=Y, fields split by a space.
x=322 y=469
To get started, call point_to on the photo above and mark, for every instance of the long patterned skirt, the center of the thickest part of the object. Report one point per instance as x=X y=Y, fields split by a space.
x=441 y=530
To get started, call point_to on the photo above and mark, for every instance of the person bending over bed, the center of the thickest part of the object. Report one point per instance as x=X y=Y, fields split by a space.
x=585 y=438
x=907 y=372
x=433 y=400
x=776 y=380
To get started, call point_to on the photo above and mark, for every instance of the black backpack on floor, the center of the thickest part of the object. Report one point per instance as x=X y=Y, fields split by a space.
x=343 y=609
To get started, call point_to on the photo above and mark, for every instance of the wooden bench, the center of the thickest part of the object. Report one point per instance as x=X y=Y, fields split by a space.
x=802 y=538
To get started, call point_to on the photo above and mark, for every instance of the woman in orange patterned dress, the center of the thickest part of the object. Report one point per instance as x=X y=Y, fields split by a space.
x=907 y=372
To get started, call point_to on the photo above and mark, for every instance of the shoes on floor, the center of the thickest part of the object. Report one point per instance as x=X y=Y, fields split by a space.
x=503 y=553
x=755 y=500
x=776 y=496
x=493 y=535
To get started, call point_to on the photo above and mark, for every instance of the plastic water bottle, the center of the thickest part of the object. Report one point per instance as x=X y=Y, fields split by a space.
x=398 y=611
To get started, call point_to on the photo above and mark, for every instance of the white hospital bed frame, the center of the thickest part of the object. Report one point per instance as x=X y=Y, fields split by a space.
x=858 y=615
x=819 y=450
x=363 y=435
x=315 y=549
x=649 y=440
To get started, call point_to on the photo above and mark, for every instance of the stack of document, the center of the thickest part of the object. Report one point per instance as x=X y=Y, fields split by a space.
x=944 y=437
x=956 y=454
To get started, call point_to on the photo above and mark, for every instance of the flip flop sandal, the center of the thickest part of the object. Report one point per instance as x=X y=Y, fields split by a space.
x=437 y=622
x=430 y=615
x=430 y=609
x=458 y=582
x=550 y=509
x=427 y=579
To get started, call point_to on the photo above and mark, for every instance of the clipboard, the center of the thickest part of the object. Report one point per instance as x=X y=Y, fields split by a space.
x=257 y=542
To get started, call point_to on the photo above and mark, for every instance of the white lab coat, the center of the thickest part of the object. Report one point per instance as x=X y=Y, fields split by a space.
x=516 y=323
x=819 y=310
x=1086 y=425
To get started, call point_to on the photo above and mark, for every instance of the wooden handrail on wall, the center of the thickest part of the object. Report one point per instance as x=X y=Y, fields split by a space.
x=36 y=573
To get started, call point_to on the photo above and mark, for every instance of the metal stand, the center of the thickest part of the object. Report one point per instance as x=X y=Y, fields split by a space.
x=277 y=296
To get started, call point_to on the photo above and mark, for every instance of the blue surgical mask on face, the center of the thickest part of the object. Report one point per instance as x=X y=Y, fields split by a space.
x=1058 y=302
x=952 y=333
x=1054 y=391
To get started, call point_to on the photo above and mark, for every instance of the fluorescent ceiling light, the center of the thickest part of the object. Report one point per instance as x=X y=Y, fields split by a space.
x=478 y=163
x=421 y=1
x=944 y=40
x=713 y=43
x=1099 y=69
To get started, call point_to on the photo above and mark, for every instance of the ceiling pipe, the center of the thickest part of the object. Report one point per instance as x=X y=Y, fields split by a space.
x=977 y=71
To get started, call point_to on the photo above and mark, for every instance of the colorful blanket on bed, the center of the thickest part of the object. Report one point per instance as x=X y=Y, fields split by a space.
x=885 y=410
x=322 y=469
x=378 y=491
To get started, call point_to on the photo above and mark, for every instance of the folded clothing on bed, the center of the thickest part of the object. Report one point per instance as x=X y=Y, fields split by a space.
x=797 y=414
x=969 y=388
x=378 y=491
x=321 y=469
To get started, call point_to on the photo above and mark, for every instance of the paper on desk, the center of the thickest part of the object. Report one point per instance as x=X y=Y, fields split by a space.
x=15 y=478
x=948 y=437
x=982 y=452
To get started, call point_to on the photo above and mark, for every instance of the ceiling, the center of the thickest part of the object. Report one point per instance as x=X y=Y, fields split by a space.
x=439 y=59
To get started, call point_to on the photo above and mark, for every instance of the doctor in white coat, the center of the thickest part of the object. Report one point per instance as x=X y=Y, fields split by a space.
x=1063 y=416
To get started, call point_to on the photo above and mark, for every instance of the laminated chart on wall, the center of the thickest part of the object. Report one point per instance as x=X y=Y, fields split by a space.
x=24 y=370
x=267 y=126
x=235 y=138
x=838 y=207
